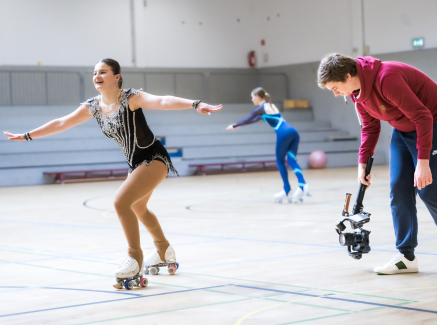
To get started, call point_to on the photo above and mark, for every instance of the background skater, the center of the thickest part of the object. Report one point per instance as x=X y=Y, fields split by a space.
x=287 y=142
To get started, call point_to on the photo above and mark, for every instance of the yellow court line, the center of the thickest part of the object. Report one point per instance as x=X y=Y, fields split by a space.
x=331 y=295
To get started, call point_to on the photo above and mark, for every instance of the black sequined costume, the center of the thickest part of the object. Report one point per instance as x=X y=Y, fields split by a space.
x=130 y=131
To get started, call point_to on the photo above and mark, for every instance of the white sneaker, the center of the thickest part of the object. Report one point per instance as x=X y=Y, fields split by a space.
x=128 y=269
x=281 y=196
x=154 y=259
x=306 y=190
x=297 y=196
x=398 y=264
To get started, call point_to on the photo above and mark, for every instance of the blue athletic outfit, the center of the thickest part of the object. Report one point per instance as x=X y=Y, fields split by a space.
x=287 y=143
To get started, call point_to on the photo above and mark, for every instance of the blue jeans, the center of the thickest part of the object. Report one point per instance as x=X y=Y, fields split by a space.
x=403 y=161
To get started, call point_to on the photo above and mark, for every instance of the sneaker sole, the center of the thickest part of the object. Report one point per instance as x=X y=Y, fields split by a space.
x=399 y=272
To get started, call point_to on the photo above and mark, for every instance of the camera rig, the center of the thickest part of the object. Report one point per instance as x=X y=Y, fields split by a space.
x=357 y=242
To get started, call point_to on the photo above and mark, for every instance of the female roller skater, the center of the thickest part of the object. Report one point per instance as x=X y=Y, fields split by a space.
x=286 y=144
x=120 y=116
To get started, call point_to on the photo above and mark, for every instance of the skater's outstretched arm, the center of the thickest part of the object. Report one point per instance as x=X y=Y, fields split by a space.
x=58 y=125
x=255 y=116
x=149 y=101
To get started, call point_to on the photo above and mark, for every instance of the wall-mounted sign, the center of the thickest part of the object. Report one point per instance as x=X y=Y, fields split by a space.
x=418 y=43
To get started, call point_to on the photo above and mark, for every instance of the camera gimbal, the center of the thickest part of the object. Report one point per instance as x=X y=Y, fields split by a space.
x=357 y=242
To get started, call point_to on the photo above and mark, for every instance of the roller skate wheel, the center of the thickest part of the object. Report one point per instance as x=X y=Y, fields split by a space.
x=177 y=265
x=144 y=282
x=129 y=284
x=118 y=285
x=154 y=270
x=172 y=269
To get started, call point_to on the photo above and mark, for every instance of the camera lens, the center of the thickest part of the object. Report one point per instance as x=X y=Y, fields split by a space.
x=347 y=239
x=342 y=240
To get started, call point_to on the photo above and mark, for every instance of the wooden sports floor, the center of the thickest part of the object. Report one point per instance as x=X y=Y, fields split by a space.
x=243 y=259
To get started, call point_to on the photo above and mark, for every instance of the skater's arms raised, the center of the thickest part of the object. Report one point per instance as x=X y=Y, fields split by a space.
x=149 y=101
x=255 y=116
x=61 y=124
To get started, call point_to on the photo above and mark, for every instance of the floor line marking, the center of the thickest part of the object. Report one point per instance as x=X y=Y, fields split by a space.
x=107 y=301
x=161 y=312
x=261 y=259
x=179 y=234
x=311 y=296
x=291 y=285
x=78 y=289
x=317 y=318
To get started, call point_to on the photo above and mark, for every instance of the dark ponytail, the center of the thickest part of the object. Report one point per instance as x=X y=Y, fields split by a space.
x=115 y=67
x=262 y=94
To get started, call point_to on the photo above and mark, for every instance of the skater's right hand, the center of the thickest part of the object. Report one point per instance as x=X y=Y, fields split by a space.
x=231 y=127
x=14 y=137
x=362 y=173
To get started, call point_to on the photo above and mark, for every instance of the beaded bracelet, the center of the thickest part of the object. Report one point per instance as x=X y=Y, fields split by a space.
x=27 y=136
x=196 y=103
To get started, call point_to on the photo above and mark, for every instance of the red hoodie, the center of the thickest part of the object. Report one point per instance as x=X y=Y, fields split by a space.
x=401 y=95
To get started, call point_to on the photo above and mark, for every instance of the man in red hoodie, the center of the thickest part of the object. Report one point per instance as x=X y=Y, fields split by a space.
x=407 y=99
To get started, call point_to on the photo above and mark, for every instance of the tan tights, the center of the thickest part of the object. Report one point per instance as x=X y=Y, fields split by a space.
x=131 y=205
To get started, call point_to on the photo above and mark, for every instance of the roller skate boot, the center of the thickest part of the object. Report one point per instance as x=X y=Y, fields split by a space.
x=153 y=262
x=306 y=190
x=129 y=275
x=297 y=196
x=279 y=197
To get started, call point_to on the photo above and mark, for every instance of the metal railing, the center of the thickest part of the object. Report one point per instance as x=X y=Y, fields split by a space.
x=67 y=86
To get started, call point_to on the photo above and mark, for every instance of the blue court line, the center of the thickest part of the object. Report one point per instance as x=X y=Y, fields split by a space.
x=153 y=247
x=84 y=256
x=260 y=260
x=171 y=233
x=396 y=251
x=113 y=300
x=339 y=299
x=32 y=260
x=75 y=289
x=194 y=235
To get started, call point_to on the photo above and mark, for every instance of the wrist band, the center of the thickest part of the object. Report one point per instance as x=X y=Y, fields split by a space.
x=196 y=103
x=27 y=136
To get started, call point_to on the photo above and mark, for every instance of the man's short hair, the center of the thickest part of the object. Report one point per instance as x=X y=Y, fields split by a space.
x=334 y=68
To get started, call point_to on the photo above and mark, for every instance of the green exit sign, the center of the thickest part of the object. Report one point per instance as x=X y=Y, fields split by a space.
x=418 y=43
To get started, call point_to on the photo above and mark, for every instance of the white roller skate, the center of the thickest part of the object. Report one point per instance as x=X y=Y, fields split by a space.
x=306 y=190
x=279 y=197
x=297 y=196
x=129 y=275
x=153 y=262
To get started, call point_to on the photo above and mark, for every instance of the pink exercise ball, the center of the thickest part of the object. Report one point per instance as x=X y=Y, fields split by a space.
x=318 y=159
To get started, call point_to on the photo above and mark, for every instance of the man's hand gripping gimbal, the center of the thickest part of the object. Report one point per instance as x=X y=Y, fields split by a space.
x=357 y=242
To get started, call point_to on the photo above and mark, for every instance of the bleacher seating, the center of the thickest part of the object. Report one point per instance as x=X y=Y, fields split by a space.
x=202 y=139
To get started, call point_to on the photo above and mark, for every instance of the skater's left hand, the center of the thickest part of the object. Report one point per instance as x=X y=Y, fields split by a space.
x=422 y=175
x=204 y=108
x=15 y=137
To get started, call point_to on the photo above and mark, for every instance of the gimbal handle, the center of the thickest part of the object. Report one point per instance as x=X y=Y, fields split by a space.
x=361 y=190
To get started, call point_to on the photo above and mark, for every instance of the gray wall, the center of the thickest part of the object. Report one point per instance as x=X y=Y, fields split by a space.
x=303 y=84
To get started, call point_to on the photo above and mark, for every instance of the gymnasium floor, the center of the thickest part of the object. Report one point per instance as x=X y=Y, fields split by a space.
x=243 y=259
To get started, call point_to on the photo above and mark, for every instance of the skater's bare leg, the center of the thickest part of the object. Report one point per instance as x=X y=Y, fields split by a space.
x=149 y=220
x=140 y=184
